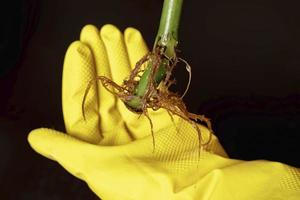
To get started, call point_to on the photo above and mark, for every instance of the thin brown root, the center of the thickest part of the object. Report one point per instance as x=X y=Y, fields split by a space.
x=112 y=87
x=173 y=121
x=135 y=73
x=85 y=95
x=199 y=138
x=189 y=70
x=152 y=132
x=206 y=120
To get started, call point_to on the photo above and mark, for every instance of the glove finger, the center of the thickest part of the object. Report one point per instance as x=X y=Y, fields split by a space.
x=108 y=116
x=101 y=167
x=73 y=154
x=116 y=52
x=78 y=70
x=90 y=36
x=136 y=46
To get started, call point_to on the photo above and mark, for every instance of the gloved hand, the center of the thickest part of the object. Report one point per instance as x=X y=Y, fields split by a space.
x=112 y=150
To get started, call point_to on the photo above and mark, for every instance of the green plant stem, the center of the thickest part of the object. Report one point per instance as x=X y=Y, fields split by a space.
x=168 y=28
x=167 y=39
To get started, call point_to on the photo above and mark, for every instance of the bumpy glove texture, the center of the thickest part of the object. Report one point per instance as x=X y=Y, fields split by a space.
x=112 y=149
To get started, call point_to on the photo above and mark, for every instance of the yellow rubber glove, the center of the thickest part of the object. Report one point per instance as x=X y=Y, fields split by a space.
x=112 y=150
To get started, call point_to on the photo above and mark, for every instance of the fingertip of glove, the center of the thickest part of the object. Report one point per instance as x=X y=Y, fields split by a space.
x=78 y=47
x=88 y=28
x=75 y=45
x=37 y=141
x=132 y=35
x=87 y=31
x=35 y=135
x=110 y=32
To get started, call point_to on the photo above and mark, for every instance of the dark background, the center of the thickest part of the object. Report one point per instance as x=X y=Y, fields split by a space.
x=246 y=77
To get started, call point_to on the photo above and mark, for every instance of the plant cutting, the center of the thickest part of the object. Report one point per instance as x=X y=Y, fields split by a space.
x=147 y=87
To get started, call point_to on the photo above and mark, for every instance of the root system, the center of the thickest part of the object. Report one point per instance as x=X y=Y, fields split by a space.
x=156 y=96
